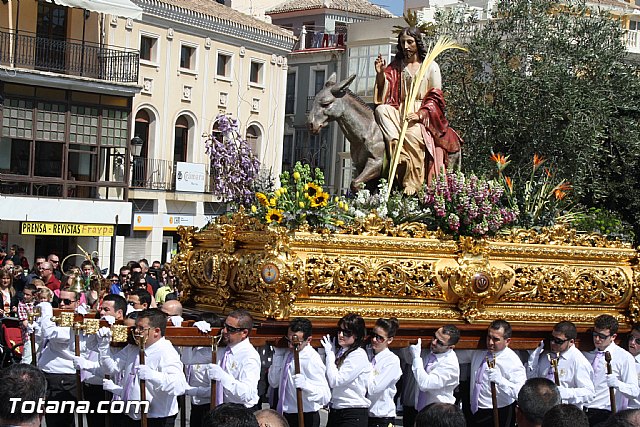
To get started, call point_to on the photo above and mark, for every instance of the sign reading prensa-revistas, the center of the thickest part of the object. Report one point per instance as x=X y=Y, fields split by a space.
x=65 y=229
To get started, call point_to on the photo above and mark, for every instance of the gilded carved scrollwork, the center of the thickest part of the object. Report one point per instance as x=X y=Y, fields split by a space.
x=475 y=282
x=559 y=235
x=561 y=284
x=181 y=262
x=634 y=303
x=375 y=277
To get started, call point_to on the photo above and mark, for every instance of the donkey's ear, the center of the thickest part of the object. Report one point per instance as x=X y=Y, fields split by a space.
x=343 y=85
x=332 y=80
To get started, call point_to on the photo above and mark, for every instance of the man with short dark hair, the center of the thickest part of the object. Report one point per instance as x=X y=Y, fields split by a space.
x=507 y=372
x=35 y=270
x=440 y=415
x=623 y=378
x=536 y=397
x=230 y=415
x=162 y=369
x=139 y=299
x=55 y=262
x=625 y=418
x=437 y=373
x=27 y=383
x=565 y=415
x=574 y=371
x=634 y=350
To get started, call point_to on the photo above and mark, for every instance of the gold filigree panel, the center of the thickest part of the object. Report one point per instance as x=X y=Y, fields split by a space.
x=372 y=276
x=567 y=285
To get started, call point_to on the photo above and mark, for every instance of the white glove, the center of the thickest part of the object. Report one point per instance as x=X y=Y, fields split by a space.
x=216 y=373
x=495 y=376
x=327 y=344
x=109 y=385
x=565 y=393
x=33 y=328
x=416 y=349
x=534 y=358
x=613 y=381
x=203 y=326
x=147 y=373
x=82 y=310
x=109 y=319
x=83 y=364
x=176 y=320
x=104 y=338
x=300 y=381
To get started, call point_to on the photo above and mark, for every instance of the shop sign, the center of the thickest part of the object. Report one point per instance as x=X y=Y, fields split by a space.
x=65 y=229
x=190 y=177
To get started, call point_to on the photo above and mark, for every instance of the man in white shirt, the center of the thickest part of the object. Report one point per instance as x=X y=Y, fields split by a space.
x=508 y=374
x=575 y=373
x=56 y=360
x=537 y=396
x=311 y=379
x=162 y=371
x=624 y=378
x=238 y=369
x=634 y=349
x=438 y=373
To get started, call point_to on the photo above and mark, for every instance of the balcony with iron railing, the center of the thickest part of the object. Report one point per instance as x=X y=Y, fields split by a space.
x=158 y=174
x=320 y=39
x=70 y=57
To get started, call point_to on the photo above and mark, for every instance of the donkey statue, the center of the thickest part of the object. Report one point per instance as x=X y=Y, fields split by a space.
x=336 y=102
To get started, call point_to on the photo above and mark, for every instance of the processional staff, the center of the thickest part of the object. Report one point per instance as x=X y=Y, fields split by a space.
x=554 y=364
x=215 y=341
x=31 y=317
x=491 y=364
x=77 y=327
x=143 y=388
x=296 y=365
x=612 y=390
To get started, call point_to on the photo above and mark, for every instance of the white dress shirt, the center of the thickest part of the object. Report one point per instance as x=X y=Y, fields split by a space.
x=161 y=357
x=312 y=367
x=511 y=368
x=574 y=372
x=58 y=348
x=441 y=381
x=381 y=389
x=349 y=382
x=244 y=365
x=623 y=367
x=635 y=403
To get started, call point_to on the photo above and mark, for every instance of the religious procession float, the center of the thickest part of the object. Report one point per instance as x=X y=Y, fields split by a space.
x=463 y=249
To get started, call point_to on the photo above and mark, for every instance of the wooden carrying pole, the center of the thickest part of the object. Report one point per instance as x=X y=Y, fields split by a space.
x=554 y=364
x=215 y=340
x=491 y=364
x=143 y=386
x=296 y=365
x=612 y=391
x=76 y=332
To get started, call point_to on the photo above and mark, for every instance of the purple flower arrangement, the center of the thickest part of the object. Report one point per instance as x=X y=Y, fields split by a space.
x=468 y=206
x=234 y=167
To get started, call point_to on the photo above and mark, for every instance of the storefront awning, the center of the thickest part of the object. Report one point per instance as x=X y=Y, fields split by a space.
x=123 y=8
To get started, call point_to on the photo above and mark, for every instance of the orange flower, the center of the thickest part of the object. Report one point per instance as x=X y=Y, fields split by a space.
x=559 y=194
x=500 y=161
x=561 y=190
x=509 y=183
x=537 y=161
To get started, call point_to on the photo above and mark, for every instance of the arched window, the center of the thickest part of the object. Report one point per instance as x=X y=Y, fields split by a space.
x=141 y=129
x=254 y=138
x=181 y=139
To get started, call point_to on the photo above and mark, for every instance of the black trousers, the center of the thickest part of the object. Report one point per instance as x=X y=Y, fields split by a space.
x=596 y=416
x=311 y=419
x=381 y=422
x=484 y=417
x=60 y=387
x=409 y=416
x=348 y=417
x=94 y=394
x=151 y=422
x=197 y=414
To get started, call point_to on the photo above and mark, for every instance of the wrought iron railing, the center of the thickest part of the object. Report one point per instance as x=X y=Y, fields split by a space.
x=157 y=174
x=72 y=57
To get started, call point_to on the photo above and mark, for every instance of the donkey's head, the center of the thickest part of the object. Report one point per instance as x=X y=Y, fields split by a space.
x=328 y=105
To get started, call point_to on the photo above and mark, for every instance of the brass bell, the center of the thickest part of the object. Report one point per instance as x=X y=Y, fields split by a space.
x=78 y=285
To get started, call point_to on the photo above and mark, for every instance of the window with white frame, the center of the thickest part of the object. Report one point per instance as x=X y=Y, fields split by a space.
x=223 y=65
x=361 y=60
x=256 y=73
x=148 y=48
x=188 y=57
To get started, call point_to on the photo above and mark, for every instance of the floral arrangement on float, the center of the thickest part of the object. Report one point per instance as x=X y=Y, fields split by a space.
x=455 y=203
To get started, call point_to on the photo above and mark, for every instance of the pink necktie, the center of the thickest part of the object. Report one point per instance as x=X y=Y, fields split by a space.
x=478 y=384
x=283 y=383
x=422 y=395
x=130 y=379
x=597 y=362
x=219 y=388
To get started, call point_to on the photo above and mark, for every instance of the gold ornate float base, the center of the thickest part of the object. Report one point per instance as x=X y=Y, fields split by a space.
x=380 y=270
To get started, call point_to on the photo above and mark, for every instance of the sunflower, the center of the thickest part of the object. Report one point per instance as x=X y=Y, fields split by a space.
x=263 y=199
x=274 y=215
x=311 y=190
x=320 y=200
